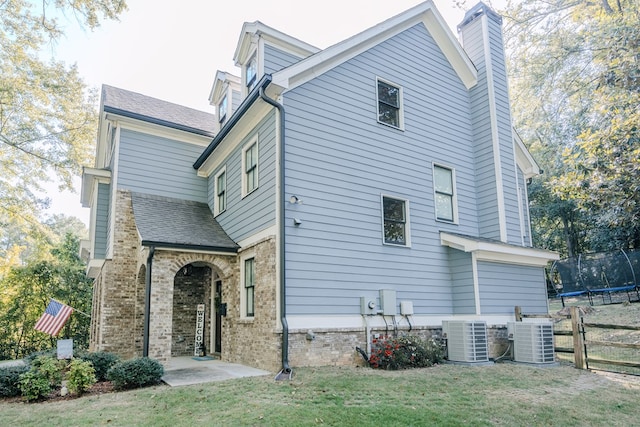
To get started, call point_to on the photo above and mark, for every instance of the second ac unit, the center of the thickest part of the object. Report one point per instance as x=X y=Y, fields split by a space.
x=466 y=340
x=532 y=342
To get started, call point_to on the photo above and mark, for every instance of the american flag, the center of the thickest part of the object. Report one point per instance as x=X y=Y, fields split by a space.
x=53 y=318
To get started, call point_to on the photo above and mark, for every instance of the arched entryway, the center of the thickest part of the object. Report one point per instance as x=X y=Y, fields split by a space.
x=197 y=311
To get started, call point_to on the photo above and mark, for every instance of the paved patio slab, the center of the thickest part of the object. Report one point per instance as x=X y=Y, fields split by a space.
x=187 y=371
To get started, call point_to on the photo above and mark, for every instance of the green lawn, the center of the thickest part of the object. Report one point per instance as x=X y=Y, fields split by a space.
x=503 y=394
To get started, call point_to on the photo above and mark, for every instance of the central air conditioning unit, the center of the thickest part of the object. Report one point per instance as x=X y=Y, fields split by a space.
x=466 y=340
x=532 y=341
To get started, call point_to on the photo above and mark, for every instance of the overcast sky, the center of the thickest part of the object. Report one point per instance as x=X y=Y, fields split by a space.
x=171 y=49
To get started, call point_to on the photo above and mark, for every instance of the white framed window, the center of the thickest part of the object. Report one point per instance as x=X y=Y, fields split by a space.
x=251 y=72
x=222 y=110
x=248 y=285
x=444 y=184
x=250 y=167
x=395 y=221
x=389 y=99
x=220 y=187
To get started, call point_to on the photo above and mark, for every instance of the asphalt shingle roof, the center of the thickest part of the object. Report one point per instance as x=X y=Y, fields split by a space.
x=170 y=222
x=146 y=108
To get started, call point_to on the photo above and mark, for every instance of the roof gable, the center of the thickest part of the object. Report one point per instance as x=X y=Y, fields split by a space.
x=222 y=79
x=425 y=13
x=273 y=36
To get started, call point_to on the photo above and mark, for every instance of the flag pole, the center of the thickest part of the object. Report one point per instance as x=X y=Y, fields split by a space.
x=77 y=311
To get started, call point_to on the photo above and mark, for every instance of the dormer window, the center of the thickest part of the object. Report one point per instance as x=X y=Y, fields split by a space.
x=251 y=73
x=222 y=110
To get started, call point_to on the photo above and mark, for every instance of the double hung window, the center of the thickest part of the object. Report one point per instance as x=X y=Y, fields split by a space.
x=250 y=167
x=220 y=204
x=251 y=73
x=389 y=104
x=395 y=221
x=443 y=183
x=222 y=110
x=249 y=287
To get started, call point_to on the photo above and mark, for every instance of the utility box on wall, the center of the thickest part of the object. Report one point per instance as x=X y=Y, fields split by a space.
x=367 y=306
x=388 y=302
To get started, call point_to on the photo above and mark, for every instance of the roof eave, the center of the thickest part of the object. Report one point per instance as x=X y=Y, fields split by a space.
x=156 y=121
x=498 y=251
x=235 y=118
x=191 y=247
x=333 y=56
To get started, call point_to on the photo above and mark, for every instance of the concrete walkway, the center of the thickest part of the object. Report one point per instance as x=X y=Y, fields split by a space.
x=187 y=371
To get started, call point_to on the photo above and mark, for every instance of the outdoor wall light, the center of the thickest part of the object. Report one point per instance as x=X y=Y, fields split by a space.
x=295 y=200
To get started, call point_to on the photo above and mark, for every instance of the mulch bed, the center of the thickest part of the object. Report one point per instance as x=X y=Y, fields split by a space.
x=97 y=389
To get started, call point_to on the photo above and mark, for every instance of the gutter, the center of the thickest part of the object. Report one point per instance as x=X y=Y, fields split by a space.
x=235 y=118
x=147 y=302
x=155 y=121
x=286 y=372
x=186 y=246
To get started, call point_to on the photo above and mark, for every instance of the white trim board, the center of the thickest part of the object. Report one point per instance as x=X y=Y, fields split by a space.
x=425 y=13
x=498 y=251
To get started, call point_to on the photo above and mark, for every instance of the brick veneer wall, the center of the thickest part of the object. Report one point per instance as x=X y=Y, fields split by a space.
x=337 y=346
x=255 y=341
x=113 y=312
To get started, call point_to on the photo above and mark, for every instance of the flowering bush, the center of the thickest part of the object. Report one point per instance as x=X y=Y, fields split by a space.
x=405 y=352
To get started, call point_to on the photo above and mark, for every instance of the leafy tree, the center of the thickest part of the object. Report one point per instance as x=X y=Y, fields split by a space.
x=47 y=116
x=25 y=292
x=575 y=83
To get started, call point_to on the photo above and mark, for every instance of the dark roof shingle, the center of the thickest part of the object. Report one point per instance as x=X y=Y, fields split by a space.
x=176 y=223
x=142 y=107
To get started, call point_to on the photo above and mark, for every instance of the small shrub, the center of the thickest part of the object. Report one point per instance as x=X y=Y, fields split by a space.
x=405 y=352
x=9 y=380
x=50 y=368
x=102 y=361
x=52 y=352
x=34 y=385
x=81 y=376
x=135 y=373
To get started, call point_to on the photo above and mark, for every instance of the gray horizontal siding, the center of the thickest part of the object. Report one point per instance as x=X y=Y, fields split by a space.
x=340 y=160
x=102 y=222
x=160 y=166
x=236 y=100
x=276 y=59
x=507 y=155
x=246 y=216
x=504 y=286
x=460 y=263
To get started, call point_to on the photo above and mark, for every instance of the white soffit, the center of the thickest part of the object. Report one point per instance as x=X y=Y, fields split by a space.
x=525 y=160
x=498 y=252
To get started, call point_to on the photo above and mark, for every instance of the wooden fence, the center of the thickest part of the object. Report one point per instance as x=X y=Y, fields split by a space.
x=585 y=339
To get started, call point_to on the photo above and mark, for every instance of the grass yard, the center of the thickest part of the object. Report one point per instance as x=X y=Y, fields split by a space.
x=504 y=394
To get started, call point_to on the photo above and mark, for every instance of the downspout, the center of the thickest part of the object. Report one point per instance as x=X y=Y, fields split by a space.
x=286 y=372
x=147 y=302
